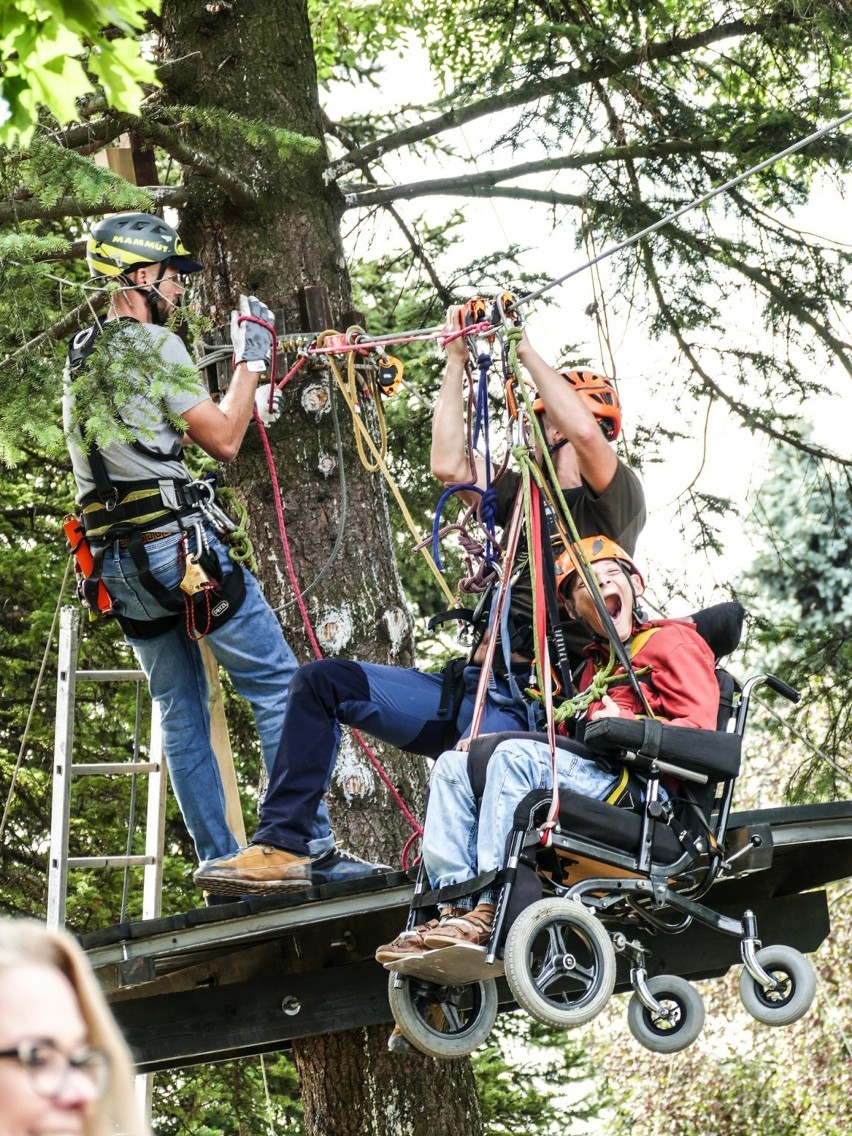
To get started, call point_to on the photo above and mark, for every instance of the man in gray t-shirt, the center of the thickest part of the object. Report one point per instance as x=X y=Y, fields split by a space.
x=142 y=520
x=142 y=414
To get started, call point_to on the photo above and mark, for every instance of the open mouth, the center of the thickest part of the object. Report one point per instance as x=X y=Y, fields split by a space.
x=613 y=605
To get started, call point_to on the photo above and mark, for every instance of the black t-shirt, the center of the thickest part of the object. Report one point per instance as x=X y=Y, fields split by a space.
x=618 y=512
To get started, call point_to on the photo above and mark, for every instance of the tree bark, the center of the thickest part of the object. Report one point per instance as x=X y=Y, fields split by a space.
x=255 y=59
x=396 y=1094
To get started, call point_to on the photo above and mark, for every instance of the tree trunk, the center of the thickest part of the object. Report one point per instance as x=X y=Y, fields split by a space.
x=351 y=1086
x=255 y=59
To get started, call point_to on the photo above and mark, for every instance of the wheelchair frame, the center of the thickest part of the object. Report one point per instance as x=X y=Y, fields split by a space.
x=559 y=957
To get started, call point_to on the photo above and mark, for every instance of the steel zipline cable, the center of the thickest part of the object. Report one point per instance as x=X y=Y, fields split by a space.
x=667 y=220
x=427 y=333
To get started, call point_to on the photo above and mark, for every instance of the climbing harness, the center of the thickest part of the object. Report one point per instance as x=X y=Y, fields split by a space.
x=134 y=513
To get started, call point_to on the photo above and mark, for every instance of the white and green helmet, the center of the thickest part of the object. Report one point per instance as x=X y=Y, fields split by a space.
x=125 y=241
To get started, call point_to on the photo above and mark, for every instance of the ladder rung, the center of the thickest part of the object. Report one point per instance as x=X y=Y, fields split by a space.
x=110 y=861
x=106 y=768
x=110 y=676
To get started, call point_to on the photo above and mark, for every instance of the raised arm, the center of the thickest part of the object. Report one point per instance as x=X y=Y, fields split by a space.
x=596 y=459
x=220 y=429
x=450 y=462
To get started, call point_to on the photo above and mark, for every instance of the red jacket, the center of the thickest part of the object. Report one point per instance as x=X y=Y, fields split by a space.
x=681 y=686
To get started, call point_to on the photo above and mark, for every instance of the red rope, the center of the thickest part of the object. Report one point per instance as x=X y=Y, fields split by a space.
x=440 y=334
x=306 y=620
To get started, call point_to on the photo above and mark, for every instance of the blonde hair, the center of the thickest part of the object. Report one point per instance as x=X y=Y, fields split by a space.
x=24 y=942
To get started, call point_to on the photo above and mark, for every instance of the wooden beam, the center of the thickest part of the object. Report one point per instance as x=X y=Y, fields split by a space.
x=221 y=743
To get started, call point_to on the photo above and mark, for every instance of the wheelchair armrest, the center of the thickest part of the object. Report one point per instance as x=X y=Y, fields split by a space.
x=680 y=750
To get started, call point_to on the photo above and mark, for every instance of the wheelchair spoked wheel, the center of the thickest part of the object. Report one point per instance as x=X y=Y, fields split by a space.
x=560 y=963
x=443 y=1021
x=791 y=999
x=680 y=1023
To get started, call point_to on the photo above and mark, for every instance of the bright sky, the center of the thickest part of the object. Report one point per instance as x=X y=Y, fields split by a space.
x=734 y=465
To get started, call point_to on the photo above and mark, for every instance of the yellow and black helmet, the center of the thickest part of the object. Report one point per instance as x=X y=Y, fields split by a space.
x=124 y=241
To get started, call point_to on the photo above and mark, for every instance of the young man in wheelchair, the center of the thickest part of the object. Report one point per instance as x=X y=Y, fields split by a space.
x=464 y=838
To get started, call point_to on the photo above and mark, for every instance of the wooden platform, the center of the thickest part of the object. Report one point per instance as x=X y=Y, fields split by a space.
x=248 y=977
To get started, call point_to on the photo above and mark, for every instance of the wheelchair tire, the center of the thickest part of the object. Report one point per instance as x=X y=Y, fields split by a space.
x=560 y=963
x=443 y=1021
x=662 y=1034
x=792 y=999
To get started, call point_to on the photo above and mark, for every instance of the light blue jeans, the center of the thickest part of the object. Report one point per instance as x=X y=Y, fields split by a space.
x=252 y=650
x=461 y=842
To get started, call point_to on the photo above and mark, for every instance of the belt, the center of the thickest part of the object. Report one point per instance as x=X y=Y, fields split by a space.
x=146 y=537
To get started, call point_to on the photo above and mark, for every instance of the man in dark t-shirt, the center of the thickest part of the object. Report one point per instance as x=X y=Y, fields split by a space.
x=579 y=415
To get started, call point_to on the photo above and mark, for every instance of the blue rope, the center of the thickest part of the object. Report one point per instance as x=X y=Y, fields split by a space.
x=488 y=504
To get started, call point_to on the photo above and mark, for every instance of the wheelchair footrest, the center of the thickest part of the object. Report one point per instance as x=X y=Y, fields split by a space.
x=450 y=966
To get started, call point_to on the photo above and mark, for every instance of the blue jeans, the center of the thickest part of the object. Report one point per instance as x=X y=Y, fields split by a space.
x=396 y=705
x=252 y=650
x=461 y=841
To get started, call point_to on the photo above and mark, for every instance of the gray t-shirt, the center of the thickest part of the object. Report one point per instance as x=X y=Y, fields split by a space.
x=124 y=462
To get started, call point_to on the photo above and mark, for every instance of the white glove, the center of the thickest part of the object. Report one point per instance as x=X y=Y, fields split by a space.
x=252 y=343
x=261 y=403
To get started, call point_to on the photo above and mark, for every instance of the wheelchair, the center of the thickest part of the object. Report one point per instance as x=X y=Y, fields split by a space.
x=563 y=904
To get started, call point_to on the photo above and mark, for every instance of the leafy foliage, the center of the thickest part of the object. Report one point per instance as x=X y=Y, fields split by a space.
x=54 y=51
x=629 y=112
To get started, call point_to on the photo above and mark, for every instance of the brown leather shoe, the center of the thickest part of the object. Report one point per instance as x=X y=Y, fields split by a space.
x=258 y=869
x=406 y=944
x=473 y=927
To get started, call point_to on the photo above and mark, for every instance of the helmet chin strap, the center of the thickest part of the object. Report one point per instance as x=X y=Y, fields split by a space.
x=551 y=449
x=151 y=294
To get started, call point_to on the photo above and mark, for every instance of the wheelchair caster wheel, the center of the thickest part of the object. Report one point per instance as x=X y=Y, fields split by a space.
x=560 y=963
x=791 y=998
x=680 y=1023
x=443 y=1021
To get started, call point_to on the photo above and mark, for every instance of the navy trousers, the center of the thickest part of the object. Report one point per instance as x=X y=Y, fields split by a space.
x=396 y=705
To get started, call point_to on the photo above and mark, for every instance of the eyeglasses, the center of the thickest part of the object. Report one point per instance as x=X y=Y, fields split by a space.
x=48 y=1067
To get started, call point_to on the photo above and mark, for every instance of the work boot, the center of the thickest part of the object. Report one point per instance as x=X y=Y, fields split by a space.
x=338 y=865
x=258 y=869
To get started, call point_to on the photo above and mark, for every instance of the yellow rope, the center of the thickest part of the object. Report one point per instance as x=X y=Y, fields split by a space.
x=371 y=388
x=380 y=465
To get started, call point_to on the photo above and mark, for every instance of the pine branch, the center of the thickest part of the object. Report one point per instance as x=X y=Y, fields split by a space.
x=415 y=245
x=238 y=192
x=554 y=85
x=747 y=415
x=420 y=254
x=471 y=183
x=723 y=252
x=88 y=136
x=62 y=328
x=11 y=211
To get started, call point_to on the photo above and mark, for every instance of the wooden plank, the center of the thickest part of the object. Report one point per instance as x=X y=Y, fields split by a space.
x=217 y=1023
x=221 y=743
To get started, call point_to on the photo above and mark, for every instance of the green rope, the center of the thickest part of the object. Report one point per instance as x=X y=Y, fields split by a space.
x=523 y=459
x=240 y=548
x=602 y=680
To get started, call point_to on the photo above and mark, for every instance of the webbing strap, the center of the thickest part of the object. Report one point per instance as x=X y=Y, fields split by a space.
x=163 y=595
x=512 y=538
x=538 y=555
x=139 y=505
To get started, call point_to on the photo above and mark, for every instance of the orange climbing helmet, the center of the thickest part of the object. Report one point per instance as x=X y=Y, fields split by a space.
x=600 y=396
x=595 y=548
